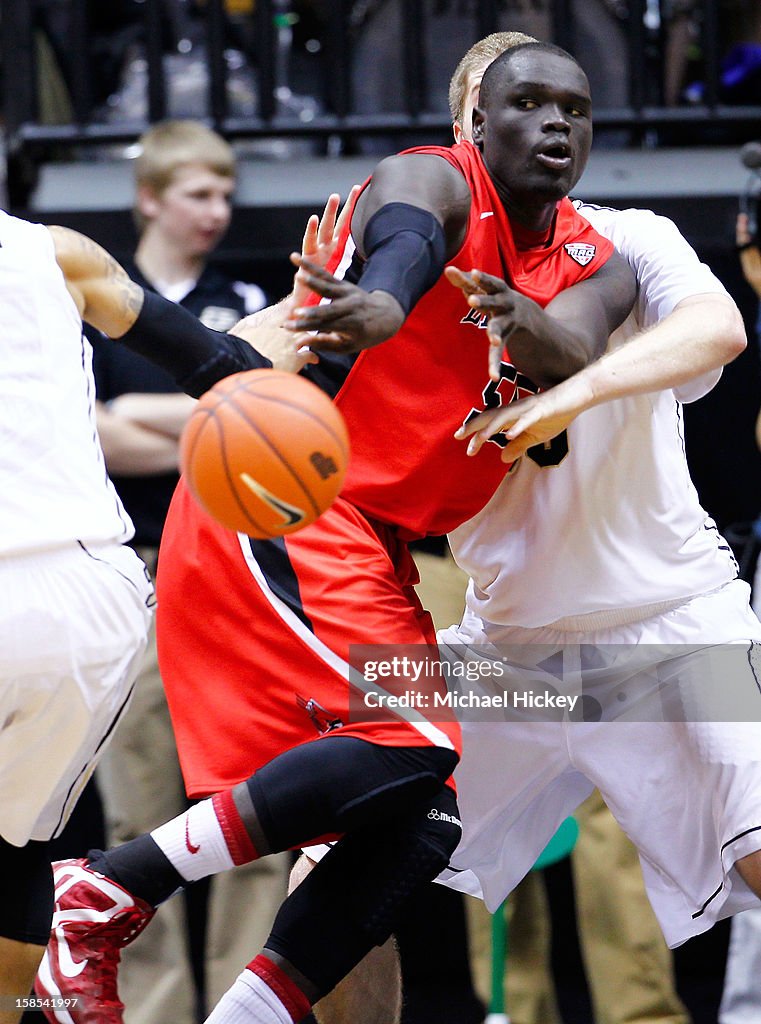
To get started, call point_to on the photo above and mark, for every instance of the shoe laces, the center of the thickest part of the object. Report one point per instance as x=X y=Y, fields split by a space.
x=121 y=929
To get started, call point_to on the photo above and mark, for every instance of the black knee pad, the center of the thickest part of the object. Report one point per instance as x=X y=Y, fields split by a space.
x=354 y=897
x=338 y=784
x=424 y=852
x=26 y=892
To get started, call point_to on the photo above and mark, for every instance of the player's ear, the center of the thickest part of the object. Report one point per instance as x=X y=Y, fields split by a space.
x=457 y=131
x=478 y=127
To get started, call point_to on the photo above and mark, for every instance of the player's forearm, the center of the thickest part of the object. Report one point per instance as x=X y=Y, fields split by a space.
x=573 y=330
x=193 y=354
x=702 y=334
x=551 y=352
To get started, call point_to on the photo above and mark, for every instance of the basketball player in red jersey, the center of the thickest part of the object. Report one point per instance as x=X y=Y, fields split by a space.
x=255 y=635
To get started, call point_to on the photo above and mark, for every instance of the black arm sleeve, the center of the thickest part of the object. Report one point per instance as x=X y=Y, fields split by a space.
x=406 y=253
x=194 y=355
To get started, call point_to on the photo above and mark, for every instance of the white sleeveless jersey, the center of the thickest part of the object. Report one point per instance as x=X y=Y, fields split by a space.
x=616 y=525
x=53 y=480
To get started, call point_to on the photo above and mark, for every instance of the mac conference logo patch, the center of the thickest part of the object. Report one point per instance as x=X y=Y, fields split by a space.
x=582 y=252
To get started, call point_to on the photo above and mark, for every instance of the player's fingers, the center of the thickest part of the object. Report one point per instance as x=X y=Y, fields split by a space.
x=498 y=330
x=310 y=267
x=494 y=362
x=347 y=208
x=461 y=279
x=309 y=241
x=490 y=284
x=489 y=422
x=341 y=313
x=522 y=423
x=332 y=342
x=325 y=285
x=328 y=220
x=501 y=303
x=301 y=343
x=469 y=428
x=515 y=450
x=476 y=443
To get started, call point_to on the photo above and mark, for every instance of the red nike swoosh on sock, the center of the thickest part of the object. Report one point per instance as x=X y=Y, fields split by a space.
x=190 y=846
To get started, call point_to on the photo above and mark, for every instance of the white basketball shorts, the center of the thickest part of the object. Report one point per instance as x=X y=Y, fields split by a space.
x=73 y=630
x=653 y=733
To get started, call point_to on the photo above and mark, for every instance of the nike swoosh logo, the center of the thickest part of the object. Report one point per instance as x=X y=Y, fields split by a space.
x=489 y=213
x=191 y=847
x=291 y=514
x=69 y=967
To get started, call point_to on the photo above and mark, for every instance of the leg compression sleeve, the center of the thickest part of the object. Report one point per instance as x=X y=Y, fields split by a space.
x=26 y=892
x=336 y=784
x=406 y=253
x=355 y=896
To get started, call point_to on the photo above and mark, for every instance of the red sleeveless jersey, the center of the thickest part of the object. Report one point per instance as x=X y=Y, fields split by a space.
x=404 y=399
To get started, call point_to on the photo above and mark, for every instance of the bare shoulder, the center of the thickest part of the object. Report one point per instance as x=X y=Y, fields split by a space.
x=425 y=177
x=424 y=180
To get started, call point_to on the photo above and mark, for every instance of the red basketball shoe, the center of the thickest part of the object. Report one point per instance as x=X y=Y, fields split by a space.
x=93 y=919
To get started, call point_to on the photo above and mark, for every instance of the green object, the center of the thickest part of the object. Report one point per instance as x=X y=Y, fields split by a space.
x=558 y=847
x=498 y=955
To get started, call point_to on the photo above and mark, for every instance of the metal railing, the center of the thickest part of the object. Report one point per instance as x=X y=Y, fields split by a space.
x=254 y=41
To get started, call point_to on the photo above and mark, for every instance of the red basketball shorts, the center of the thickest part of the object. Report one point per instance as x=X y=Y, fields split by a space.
x=254 y=637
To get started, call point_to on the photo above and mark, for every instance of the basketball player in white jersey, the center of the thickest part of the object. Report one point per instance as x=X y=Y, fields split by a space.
x=596 y=548
x=75 y=600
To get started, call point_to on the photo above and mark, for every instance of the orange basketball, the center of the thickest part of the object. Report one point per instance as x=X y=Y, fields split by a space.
x=265 y=452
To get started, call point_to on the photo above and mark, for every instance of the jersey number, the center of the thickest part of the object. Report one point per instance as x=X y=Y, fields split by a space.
x=511 y=387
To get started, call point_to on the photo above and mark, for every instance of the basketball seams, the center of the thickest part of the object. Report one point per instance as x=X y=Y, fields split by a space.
x=217 y=424
x=188 y=451
x=273 y=447
x=232 y=483
x=304 y=412
x=275 y=376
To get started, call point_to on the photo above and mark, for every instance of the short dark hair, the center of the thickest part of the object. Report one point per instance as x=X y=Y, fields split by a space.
x=508 y=55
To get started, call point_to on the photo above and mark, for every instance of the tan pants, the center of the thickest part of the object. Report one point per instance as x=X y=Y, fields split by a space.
x=629 y=968
x=141 y=786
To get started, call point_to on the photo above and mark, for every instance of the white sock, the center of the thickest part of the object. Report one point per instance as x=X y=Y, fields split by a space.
x=194 y=842
x=249 y=1001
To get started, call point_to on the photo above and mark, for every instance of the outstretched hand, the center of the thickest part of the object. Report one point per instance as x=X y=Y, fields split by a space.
x=353 y=320
x=265 y=329
x=321 y=236
x=265 y=332
x=507 y=309
x=530 y=421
